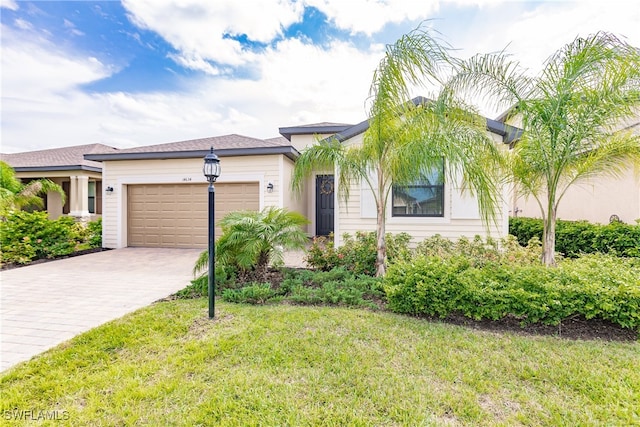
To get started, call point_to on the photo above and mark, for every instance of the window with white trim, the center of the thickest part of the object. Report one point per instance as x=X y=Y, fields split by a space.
x=422 y=198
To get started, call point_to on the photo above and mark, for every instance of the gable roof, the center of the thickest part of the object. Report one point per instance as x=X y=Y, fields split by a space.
x=57 y=159
x=344 y=132
x=224 y=146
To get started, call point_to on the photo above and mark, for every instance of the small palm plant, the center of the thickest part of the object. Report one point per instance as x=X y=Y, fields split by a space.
x=251 y=241
x=14 y=195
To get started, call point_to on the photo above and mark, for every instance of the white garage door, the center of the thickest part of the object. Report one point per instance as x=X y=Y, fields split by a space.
x=175 y=215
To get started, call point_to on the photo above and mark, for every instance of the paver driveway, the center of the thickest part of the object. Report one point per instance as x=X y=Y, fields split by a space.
x=45 y=304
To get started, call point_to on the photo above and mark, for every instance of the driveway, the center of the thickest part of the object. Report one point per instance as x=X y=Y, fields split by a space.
x=45 y=304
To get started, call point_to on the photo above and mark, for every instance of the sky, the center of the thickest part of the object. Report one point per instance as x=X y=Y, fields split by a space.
x=140 y=72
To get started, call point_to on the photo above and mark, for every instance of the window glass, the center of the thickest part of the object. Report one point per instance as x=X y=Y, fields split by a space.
x=92 y=197
x=424 y=197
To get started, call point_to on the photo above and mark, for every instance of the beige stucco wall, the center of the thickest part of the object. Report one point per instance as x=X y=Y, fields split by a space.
x=294 y=201
x=594 y=200
x=120 y=173
x=300 y=142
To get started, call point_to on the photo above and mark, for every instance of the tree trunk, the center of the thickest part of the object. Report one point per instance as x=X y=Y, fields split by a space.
x=381 y=258
x=549 y=237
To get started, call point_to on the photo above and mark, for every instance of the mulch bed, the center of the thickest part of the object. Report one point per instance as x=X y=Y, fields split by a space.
x=11 y=266
x=574 y=328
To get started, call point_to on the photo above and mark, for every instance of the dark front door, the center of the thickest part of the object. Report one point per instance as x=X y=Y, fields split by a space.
x=324 y=205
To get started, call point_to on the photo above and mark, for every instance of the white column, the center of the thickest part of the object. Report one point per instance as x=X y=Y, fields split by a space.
x=73 y=195
x=79 y=197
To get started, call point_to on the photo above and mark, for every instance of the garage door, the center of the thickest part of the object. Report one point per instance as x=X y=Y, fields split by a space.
x=175 y=215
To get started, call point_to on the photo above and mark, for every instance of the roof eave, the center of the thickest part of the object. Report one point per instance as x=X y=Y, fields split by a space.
x=57 y=168
x=287 y=132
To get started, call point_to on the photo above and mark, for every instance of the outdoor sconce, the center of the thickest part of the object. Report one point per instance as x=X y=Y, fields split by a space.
x=109 y=189
x=270 y=187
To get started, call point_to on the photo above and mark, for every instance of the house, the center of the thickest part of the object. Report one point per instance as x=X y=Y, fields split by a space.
x=157 y=195
x=599 y=199
x=81 y=179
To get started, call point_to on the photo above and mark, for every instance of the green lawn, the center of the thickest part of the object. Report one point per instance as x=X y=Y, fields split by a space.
x=287 y=365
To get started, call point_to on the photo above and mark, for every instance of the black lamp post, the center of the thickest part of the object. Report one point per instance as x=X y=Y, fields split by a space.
x=211 y=170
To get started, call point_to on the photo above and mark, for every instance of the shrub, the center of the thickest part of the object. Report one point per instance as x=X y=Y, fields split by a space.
x=334 y=287
x=25 y=236
x=225 y=279
x=574 y=238
x=94 y=237
x=479 y=252
x=358 y=253
x=254 y=293
x=594 y=286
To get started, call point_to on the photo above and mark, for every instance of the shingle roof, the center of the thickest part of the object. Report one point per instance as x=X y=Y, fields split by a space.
x=65 y=158
x=225 y=145
x=217 y=142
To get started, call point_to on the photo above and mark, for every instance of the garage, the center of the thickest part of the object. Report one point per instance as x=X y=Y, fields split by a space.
x=175 y=215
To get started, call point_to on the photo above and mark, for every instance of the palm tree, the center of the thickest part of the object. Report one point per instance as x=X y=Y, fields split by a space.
x=406 y=138
x=14 y=195
x=570 y=114
x=251 y=241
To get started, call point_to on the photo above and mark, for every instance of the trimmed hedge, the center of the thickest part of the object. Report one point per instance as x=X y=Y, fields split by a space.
x=593 y=286
x=581 y=237
x=27 y=236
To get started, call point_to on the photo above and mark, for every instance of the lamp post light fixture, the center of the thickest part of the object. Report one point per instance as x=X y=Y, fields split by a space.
x=211 y=171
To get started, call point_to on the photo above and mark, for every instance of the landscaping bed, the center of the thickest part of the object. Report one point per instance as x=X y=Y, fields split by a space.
x=10 y=266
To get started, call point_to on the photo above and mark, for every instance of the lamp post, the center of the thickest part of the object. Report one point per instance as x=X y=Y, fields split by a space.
x=211 y=171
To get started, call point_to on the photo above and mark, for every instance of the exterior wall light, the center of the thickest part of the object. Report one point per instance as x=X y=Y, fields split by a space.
x=270 y=187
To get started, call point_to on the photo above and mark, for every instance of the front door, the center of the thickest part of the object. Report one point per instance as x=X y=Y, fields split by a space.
x=324 y=205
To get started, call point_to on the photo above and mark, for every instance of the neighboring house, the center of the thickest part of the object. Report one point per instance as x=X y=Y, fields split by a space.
x=80 y=179
x=598 y=199
x=159 y=194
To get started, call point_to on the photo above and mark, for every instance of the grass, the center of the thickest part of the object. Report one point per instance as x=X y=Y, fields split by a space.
x=302 y=366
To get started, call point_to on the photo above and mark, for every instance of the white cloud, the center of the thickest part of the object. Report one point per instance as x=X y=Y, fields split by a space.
x=198 y=29
x=23 y=24
x=370 y=16
x=296 y=81
x=9 y=4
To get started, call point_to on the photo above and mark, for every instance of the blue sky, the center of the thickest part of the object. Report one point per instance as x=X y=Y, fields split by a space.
x=139 y=72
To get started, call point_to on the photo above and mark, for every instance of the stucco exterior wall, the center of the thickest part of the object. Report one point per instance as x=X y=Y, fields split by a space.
x=294 y=201
x=594 y=200
x=120 y=173
x=300 y=142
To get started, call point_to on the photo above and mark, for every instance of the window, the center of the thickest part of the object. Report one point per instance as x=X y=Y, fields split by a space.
x=423 y=198
x=92 y=197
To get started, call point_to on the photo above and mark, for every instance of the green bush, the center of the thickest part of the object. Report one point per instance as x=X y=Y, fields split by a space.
x=574 y=238
x=25 y=236
x=334 y=287
x=357 y=254
x=253 y=293
x=479 y=252
x=225 y=278
x=593 y=286
x=94 y=229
